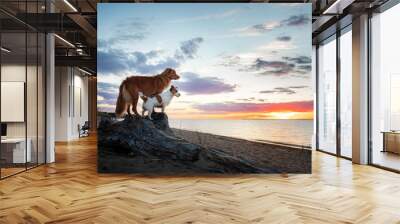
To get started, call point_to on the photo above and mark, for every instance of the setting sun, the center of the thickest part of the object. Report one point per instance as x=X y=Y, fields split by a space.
x=290 y=115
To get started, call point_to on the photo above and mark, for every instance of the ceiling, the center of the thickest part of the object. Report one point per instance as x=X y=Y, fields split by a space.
x=75 y=21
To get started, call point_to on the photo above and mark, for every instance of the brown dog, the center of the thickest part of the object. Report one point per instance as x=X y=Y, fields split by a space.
x=148 y=86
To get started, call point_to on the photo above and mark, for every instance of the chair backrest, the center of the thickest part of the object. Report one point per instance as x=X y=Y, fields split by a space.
x=86 y=124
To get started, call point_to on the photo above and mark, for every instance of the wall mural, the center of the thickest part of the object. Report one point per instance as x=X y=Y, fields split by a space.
x=204 y=88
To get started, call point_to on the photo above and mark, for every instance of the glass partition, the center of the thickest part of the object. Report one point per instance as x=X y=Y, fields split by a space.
x=32 y=98
x=346 y=93
x=13 y=94
x=385 y=89
x=327 y=96
x=22 y=67
x=41 y=97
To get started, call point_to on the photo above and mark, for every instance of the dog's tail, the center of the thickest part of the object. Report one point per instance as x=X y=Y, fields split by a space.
x=120 y=108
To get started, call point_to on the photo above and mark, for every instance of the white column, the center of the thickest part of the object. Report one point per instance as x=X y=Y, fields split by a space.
x=63 y=101
x=50 y=92
x=360 y=90
x=50 y=100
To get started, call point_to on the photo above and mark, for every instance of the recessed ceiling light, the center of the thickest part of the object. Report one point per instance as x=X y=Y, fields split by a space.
x=337 y=7
x=64 y=40
x=5 y=50
x=70 y=5
x=84 y=71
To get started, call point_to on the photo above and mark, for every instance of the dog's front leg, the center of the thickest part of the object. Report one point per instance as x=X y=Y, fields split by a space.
x=150 y=112
x=129 y=111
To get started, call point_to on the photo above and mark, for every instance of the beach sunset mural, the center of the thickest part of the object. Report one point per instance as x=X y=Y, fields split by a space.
x=244 y=69
x=236 y=61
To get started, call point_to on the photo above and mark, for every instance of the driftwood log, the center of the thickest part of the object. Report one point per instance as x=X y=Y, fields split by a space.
x=140 y=145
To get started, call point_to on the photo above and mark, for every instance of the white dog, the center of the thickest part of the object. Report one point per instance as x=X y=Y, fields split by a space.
x=161 y=100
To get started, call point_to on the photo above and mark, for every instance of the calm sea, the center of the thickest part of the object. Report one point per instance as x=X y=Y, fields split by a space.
x=297 y=132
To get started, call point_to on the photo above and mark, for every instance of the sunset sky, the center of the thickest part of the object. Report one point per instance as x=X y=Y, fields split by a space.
x=236 y=61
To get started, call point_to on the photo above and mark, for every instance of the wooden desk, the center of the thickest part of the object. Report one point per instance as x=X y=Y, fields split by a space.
x=391 y=141
x=14 y=150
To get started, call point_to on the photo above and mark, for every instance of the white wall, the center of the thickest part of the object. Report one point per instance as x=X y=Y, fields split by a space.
x=62 y=82
x=71 y=94
x=14 y=73
x=33 y=127
x=80 y=110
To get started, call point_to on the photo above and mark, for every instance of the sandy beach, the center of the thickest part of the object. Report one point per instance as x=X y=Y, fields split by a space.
x=281 y=157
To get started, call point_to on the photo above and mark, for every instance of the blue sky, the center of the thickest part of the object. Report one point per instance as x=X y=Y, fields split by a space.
x=249 y=55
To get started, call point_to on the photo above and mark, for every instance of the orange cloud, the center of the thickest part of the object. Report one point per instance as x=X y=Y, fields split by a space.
x=296 y=106
x=285 y=110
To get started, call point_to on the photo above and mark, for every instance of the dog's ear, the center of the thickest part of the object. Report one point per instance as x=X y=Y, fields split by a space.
x=170 y=73
x=167 y=71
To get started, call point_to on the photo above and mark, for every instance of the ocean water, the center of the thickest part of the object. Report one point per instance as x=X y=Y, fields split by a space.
x=297 y=132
